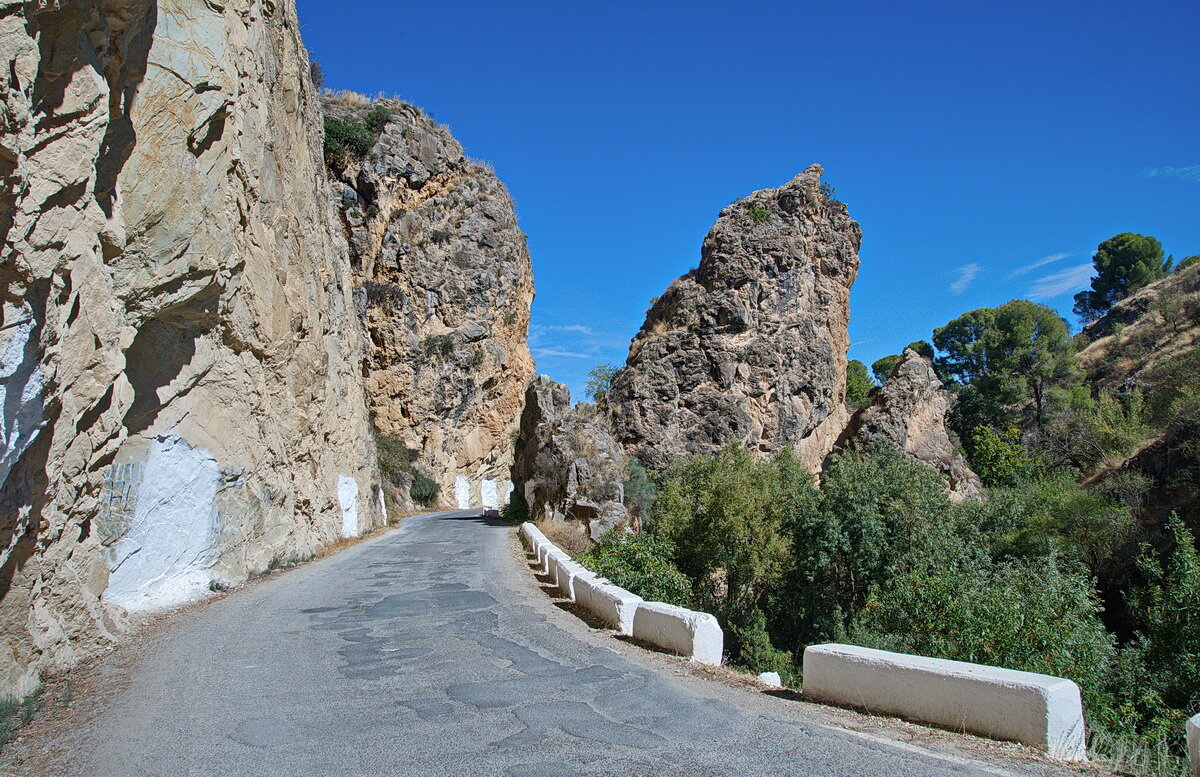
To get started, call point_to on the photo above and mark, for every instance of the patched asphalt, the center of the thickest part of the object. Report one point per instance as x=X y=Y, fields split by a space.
x=432 y=651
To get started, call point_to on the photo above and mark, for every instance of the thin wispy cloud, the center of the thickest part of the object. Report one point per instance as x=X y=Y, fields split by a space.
x=1060 y=283
x=1191 y=173
x=540 y=353
x=578 y=328
x=963 y=277
x=1039 y=263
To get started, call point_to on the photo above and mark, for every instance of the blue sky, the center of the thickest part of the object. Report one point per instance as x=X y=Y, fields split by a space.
x=985 y=148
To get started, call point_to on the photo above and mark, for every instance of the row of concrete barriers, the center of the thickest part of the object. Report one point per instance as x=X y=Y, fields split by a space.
x=1036 y=709
x=684 y=632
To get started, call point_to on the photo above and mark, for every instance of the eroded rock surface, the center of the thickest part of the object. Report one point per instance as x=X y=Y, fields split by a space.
x=446 y=282
x=751 y=346
x=909 y=412
x=568 y=465
x=179 y=354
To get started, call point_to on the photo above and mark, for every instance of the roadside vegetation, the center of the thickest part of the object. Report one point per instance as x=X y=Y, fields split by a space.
x=1080 y=563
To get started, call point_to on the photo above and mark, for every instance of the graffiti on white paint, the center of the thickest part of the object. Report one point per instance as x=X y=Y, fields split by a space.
x=348 y=499
x=20 y=385
x=163 y=558
x=462 y=492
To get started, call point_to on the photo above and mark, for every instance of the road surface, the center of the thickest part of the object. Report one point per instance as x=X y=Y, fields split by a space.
x=433 y=651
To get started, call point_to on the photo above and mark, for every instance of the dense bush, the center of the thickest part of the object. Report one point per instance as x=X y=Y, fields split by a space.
x=424 y=490
x=396 y=465
x=377 y=119
x=640 y=564
x=346 y=138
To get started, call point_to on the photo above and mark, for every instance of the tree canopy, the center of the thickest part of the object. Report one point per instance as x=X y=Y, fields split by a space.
x=858 y=384
x=1008 y=355
x=1124 y=263
x=601 y=380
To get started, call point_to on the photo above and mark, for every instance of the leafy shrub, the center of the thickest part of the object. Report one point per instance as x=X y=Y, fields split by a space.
x=999 y=458
x=377 y=119
x=639 y=489
x=395 y=459
x=424 y=490
x=346 y=139
x=517 y=509
x=600 y=380
x=1037 y=615
x=315 y=73
x=759 y=214
x=640 y=564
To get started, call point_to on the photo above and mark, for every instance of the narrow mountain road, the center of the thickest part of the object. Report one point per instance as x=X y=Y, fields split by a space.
x=431 y=651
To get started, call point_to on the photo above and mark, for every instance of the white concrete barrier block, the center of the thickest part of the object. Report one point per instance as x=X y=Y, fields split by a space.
x=567 y=571
x=1035 y=709
x=1193 y=743
x=530 y=535
x=611 y=604
x=688 y=633
x=554 y=557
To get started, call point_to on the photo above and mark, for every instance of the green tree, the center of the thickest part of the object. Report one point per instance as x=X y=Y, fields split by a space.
x=1187 y=262
x=858 y=384
x=1124 y=263
x=1010 y=354
x=882 y=368
x=601 y=380
x=921 y=347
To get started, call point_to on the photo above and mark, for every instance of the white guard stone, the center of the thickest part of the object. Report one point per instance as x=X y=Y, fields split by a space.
x=1006 y=704
x=611 y=604
x=348 y=499
x=771 y=678
x=462 y=492
x=488 y=494
x=163 y=559
x=686 y=632
x=1193 y=744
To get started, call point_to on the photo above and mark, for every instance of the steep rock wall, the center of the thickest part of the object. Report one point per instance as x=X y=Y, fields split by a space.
x=445 y=284
x=751 y=346
x=179 y=354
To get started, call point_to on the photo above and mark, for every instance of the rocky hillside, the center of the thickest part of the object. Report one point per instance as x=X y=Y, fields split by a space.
x=751 y=346
x=1157 y=323
x=180 y=359
x=444 y=285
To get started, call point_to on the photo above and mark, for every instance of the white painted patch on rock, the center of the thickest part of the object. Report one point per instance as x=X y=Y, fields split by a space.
x=489 y=494
x=382 y=504
x=163 y=559
x=348 y=499
x=20 y=386
x=462 y=492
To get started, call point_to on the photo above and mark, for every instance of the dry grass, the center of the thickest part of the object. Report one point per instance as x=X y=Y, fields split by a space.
x=572 y=541
x=347 y=98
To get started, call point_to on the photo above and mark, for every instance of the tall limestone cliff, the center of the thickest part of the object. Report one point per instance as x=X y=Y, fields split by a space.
x=750 y=347
x=180 y=359
x=445 y=284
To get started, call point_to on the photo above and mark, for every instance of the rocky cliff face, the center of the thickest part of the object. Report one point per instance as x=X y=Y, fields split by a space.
x=180 y=362
x=909 y=412
x=568 y=464
x=751 y=346
x=445 y=287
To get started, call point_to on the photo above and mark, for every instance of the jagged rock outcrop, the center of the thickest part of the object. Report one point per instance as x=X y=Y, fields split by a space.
x=1158 y=322
x=445 y=286
x=569 y=466
x=750 y=347
x=179 y=353
x=909 y=413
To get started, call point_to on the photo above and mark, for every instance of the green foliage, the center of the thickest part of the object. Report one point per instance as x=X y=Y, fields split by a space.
x=346 y=139
x=641 y=564
x=724 y=515
x=999 y=458
x=15 y=713
x=1011 y=354
x=1187 y=262
x=377 y=119
x=517 y=509
x=438 y=345
x=639 y=489
x=315 y=72
x=921 y=347
x=1124 y=263
x=600 y=381
x=424 y=490
x=882 y=368
x=759 y=214
x=830 y=193
x=395 y=459
x=1037 y=615
x=858 y=384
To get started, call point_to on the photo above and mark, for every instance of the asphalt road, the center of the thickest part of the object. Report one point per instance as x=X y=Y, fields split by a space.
x=432 y=651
